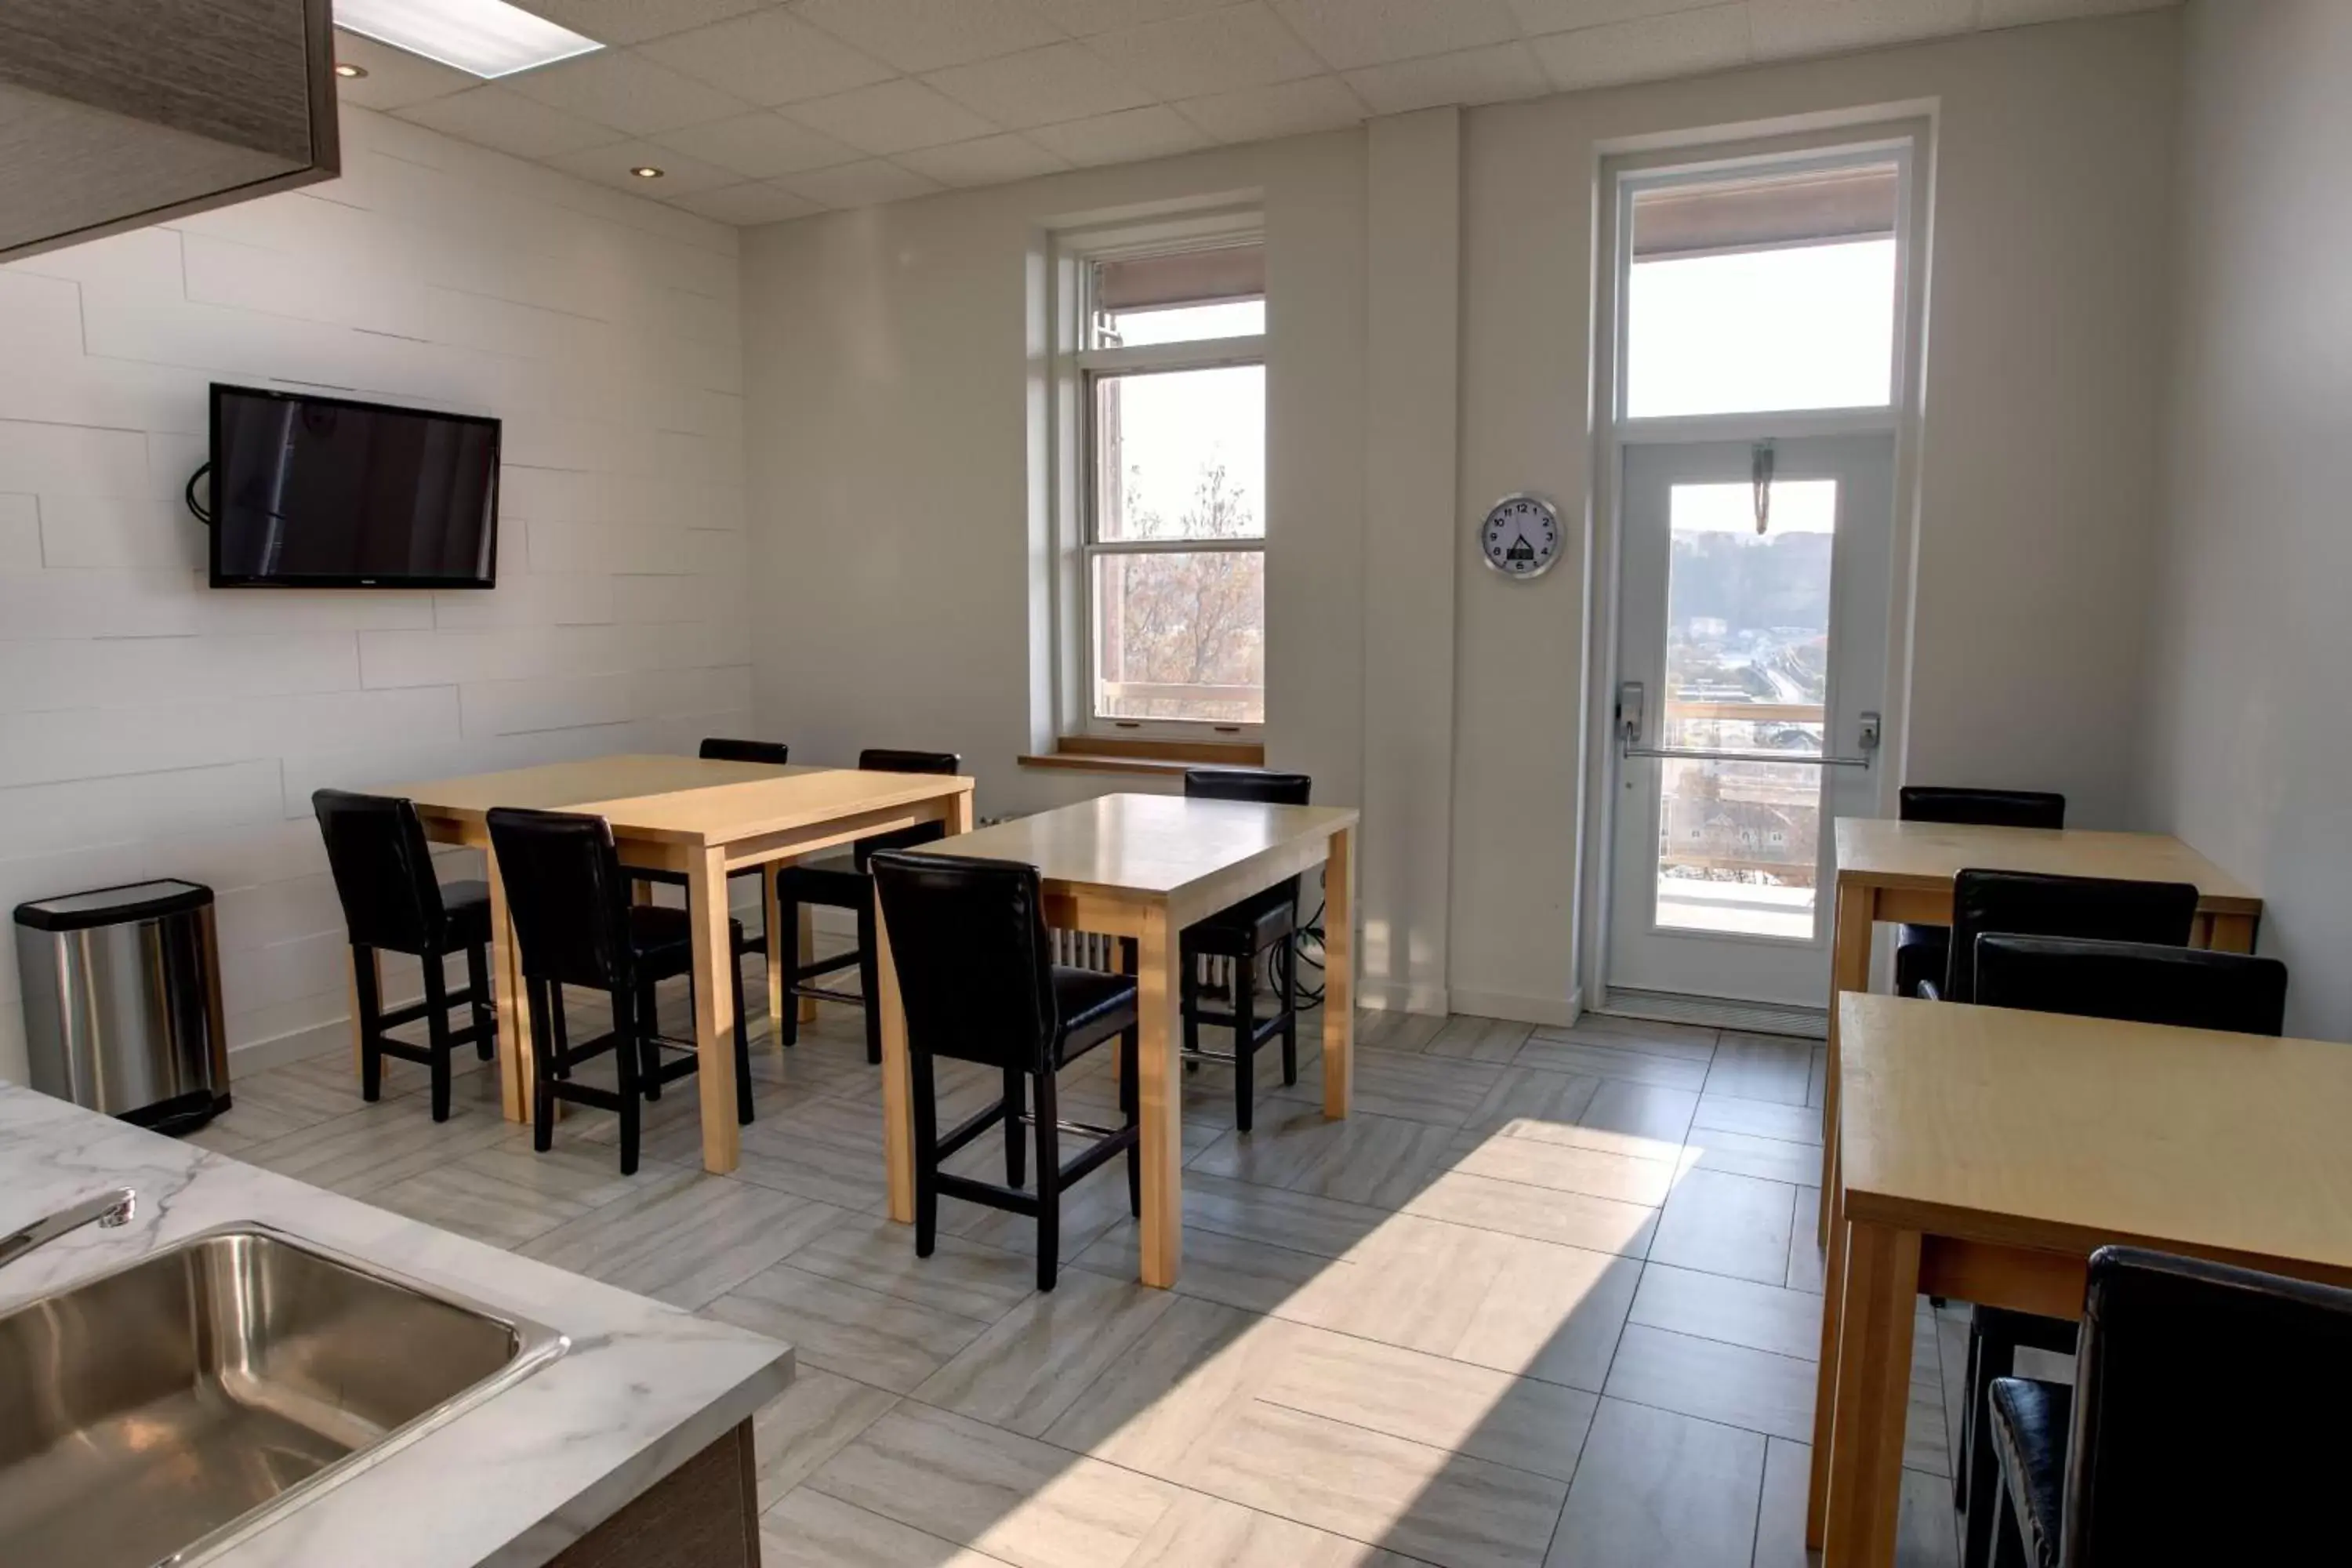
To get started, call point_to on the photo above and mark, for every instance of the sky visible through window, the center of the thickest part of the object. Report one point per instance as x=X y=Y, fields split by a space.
x=1809 y=326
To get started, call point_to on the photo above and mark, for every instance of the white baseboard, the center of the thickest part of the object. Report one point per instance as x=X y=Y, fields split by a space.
x=1387 y=997
x=295 y=1045
x=1550 y=1012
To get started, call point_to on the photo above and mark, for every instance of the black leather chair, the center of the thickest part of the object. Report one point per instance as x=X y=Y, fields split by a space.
x=839 y=881
x=1262 y=922
x=568 y=895
x=969 y=940
x=2027 y=903
x=2145 y=982
x=1923 y=951
x=2204 y=1427
x=716 y=749
x=392 y=903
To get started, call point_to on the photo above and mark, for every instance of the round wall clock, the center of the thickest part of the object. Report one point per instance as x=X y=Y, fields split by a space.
x=1520 y=535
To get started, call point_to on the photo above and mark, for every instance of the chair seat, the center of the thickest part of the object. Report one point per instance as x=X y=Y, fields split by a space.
x=2030 y=1425
x=1094 y=1008
x=1248 y=928
x=1921 y=952
x=663 y=939
x=833 y=880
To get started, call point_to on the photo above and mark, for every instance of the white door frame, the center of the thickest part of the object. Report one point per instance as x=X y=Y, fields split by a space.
x=1911 y=141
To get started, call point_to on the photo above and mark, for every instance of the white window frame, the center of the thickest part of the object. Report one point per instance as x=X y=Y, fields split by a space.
x=1078 y=367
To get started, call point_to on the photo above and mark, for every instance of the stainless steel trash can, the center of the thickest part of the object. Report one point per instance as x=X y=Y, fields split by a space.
x=122 y=1001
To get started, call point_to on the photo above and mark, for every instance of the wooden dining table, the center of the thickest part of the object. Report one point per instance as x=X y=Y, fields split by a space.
x=703 y=819
x=1988 y=1152
x=1902 y=872
x=1146 y=866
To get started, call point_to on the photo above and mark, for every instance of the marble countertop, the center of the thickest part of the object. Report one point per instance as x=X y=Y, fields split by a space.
x=642 y=1388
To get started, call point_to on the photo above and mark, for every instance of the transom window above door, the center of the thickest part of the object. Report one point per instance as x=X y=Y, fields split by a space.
x=1173 y=415
x=1763 y=294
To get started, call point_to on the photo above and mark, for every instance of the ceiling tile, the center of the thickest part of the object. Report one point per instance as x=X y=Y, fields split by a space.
x=2019 y=12
x=1283 y=109
x=1132 y=134
x=634 y=21
x=1473 y=76
x=1083 y=18
x=1373 y=32
x=1784 y=27
x=1242 y=46
x=1681 y=44
x=927 y=34
x=1566 y=16
x=1037 y=87
x=681 y=176
x=510 y=122
x=891 y=117
x=759 y=146
x=860 y=184
x=751 y=202
x=990 y=161
x=618 y=88
x=395 y=78
x=768 y=57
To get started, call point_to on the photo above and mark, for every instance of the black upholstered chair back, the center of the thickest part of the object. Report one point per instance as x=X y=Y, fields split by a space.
x=2143 y=982
x=720 y=750
x=969 y=940
x=567 y=895
x=1983 y=807
x=884 y=760
x=2176 y=1458
x=382 y=869
x=2025 y=903
x=1248 y=784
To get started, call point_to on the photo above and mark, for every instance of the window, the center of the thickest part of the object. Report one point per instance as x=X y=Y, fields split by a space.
x=1172 y=410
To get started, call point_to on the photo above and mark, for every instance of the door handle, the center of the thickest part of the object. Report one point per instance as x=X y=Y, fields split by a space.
x=1629 y=714
x=1628 y=736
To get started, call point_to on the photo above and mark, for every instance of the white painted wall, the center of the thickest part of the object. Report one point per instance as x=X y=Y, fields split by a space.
x=891 y=374
x=2250 y=744
x=150 y=727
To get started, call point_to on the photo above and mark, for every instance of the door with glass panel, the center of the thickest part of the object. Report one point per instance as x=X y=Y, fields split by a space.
x=1752 y=644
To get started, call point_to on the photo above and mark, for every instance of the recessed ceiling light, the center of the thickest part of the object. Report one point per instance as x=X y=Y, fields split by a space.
x=647 y=172
x=488 y=37
x=350 y=72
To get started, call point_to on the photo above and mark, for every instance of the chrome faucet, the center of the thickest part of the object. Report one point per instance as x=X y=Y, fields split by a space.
x=107 y=1209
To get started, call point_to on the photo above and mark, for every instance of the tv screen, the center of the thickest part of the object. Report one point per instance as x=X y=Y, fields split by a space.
x=324 y=492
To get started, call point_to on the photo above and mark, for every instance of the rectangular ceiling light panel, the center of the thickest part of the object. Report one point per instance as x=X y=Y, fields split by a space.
x=488 y=37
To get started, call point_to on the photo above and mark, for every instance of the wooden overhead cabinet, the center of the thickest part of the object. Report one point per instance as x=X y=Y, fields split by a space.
x=119 y=113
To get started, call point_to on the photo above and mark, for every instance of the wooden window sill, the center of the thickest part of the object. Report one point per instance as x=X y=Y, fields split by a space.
x=1114 y=754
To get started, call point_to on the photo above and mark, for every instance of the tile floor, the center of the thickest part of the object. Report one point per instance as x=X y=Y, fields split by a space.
x=1549 y=1298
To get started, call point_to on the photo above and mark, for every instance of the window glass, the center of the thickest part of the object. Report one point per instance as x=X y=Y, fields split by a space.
x=1180 y=323
x=1181 y=455
x=1810 y=326
x=1180 y=635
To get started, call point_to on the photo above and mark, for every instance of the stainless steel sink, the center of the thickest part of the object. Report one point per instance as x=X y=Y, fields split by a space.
x=157 y=1414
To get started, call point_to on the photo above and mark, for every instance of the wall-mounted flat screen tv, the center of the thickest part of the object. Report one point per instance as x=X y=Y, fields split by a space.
x=325 y=493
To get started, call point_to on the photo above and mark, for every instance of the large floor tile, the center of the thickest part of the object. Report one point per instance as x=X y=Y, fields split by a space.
x=1029 y=1368
x=1572 y=1219
x=1523 y=1095
x=1615 y=1060
x=1149 y=1408
x=814 y=1419
x=1006 y=1496
x=684 y=1241
x=1478 y=1039
x=1395 y=1030
x=1690 y=1042
x=1204 y=1532
x=1252 y=1275
x=1736 y=1312
x=1439 y=1088
x=1769 y=1068
x=1724 y=1223
x=855 y=1332
x=505 y=1194
x=1565 y=1167
x=1753 y=1390
x=1757 y=1119
x=1381 y=1161
x=1744 y=1155
x=1303 y=1222
x=371 y=1147
x=1642 y=1119
x=1658 y=1490
x=810 y=1530
x=1926 y=1528
x=960 y=1275
x=1806 y=1261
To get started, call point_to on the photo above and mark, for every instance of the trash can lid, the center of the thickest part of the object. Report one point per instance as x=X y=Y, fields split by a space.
x=114 y=906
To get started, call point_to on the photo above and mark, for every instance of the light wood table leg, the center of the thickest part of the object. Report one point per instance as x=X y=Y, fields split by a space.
x=2229 y=934
x=714 y=1008
x=1160 y=1098
x=897 y=1080
x=1849 y=971
x=515 y=1067
x=1879 y=1302
x=1340 y=974
x=804 y=941
x=1817 y=1494
x=772 y=922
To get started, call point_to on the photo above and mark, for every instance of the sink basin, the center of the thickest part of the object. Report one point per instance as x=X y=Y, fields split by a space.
x=157 y=1414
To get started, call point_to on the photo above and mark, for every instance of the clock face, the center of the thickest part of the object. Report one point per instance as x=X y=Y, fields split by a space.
x=1520 y=536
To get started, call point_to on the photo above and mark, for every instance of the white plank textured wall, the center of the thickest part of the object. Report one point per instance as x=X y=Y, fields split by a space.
x=151 y=727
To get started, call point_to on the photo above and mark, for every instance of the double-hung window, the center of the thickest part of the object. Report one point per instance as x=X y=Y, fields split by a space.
x=1171 y=494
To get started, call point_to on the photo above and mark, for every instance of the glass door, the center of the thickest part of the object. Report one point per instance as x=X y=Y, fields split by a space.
x=1752 y=644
